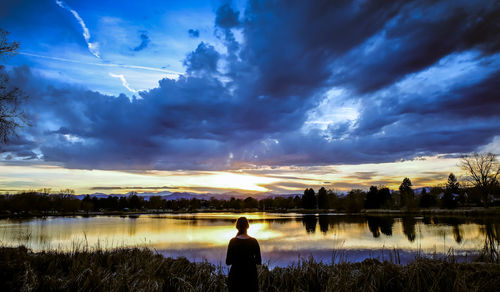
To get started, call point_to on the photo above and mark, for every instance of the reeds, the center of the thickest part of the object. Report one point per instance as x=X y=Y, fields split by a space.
x=144 y=270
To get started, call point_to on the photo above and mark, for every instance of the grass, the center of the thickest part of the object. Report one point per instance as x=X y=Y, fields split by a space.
x=144 y=270
x=100 y=270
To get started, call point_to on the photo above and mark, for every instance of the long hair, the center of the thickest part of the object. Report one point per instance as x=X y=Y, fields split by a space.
x=242 y=225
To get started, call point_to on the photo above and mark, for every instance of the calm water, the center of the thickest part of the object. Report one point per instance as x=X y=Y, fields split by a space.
x=283 y=237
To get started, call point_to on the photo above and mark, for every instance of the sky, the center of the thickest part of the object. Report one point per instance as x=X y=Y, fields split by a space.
x=252 y=96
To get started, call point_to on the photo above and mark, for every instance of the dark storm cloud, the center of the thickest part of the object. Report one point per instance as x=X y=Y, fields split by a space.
x=226 y=17
x=306 y=38
x=194 y=33
x=477 y=100
x=21 y=147
x=431 y=123
x=144 y=42
x=203 y=60
x=247 y=105
x=418 y=37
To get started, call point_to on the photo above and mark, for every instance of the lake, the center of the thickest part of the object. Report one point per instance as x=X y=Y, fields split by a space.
x=284 y=238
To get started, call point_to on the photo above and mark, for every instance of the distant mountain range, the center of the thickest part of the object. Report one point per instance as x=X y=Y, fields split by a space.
x=206 y=196
x=188 y=195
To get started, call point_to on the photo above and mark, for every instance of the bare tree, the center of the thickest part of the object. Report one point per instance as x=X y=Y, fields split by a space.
x=482 y=170
x=11 y=117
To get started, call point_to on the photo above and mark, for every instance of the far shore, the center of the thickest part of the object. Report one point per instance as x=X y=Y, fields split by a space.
x=470 y=211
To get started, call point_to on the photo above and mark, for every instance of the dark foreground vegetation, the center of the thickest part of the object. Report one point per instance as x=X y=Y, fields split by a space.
x=143 y=270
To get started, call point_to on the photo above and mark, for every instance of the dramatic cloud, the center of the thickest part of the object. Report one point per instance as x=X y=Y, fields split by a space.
x=297 y=84
x=419 y=36
x=226 y=17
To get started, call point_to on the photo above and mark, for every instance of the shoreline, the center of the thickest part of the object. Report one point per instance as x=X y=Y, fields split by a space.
x=473 y=211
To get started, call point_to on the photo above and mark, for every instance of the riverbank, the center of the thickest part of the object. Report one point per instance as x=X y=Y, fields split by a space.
x=143 y=269
x=472 y=211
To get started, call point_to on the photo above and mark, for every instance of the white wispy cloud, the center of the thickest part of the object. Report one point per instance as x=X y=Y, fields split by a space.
x=124 y=81
x=93 y=46
x=169 y=73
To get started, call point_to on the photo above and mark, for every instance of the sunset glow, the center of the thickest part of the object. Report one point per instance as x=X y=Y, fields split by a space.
x=255 y=97
x=428 y=171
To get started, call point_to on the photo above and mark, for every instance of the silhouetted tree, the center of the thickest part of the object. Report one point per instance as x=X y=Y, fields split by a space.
x=297 y=201
x=122 y=203
x=372 y=201
x=448 y=201
x=332 y=199
x=266 y=204
x=194 y=203
x=251 y=203
x=87 y=204
x=10 y=96
x=406 y=192
x=134 y=201
x=385 y=198
x=452 y=186
x=482 y=171
x=235 y=203
x=355 y=200
x=309 y=199
x=322 y=199
x=155 y=202
x=427 y=199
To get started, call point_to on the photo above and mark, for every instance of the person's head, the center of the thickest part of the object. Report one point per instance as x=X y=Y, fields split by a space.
x=242 y=225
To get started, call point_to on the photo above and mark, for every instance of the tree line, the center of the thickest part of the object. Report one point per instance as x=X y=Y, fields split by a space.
x=451 y=195
x=483 y=188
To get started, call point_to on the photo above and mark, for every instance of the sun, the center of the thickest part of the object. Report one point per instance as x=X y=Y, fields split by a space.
x=237 y=181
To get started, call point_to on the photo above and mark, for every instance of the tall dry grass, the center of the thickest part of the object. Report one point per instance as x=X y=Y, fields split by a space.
x=144 y=270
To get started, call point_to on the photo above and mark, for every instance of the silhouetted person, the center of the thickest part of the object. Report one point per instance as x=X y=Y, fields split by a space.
x=243 y=254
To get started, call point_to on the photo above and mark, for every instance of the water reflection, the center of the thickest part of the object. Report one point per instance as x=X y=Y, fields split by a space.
x=456 y=233
x=409 y=227
x=309 y=222
x=283 y=237
x=380 y=224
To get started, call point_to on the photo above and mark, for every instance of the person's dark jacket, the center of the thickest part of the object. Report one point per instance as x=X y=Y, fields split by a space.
x=243 y=255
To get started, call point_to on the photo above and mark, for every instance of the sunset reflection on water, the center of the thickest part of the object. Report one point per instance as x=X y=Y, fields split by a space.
x=283 y=237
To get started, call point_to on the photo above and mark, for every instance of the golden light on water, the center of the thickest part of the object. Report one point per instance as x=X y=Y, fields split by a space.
x=283 y=238
x=198 y=231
